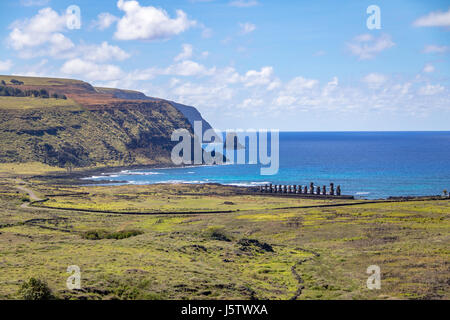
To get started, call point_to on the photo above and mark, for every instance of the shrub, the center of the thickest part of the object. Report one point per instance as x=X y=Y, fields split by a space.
x=103 y=234
x=17 y=82
x=216 y=233
x=35 y=289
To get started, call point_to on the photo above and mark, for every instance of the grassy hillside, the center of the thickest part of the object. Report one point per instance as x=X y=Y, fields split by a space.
x=11 y=103
x=253 y=252
x=89 y=128
x=40 y=81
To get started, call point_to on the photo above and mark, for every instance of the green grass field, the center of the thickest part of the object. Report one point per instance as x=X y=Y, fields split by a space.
x=39 y=81
x=315 y=253
x=10 y=103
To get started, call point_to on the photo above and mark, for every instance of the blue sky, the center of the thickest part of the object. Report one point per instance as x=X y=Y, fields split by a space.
x=288 y=65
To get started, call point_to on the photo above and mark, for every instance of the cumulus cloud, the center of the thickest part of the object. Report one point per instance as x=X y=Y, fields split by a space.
x=188 y=68
x=5 y=65
x=247 y=27
x=299 y=84
x=434 y=19
x=251 y=103
x=42 y=34
x=257 y=78
x=91 y=70
x=374 y=80
x=239 y=94
x=103 y=52
x=243 y=3
x=186 y=53
x=104 y=20
x=366 y=46
x=430 y=89
x=149 y=23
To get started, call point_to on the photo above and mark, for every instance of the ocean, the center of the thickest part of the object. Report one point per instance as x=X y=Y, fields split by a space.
x=367 y=165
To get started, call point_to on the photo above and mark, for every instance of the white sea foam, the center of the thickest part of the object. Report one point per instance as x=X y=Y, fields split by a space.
x=247 y=184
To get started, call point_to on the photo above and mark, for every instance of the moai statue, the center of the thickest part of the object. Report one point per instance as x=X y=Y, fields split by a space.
x=338 y=190
x=324 y=190
x=292 y=189
x=332 y=189
x=260 y=189
x=285 y=188
x=299 y=189
x=305 y=190
x=311 y=188
x=270 y=188
x=318 y=190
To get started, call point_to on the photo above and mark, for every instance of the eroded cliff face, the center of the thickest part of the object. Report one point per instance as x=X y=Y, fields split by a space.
x=98 y=129
x=191 y=113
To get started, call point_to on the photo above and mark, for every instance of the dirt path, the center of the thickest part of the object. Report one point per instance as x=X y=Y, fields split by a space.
x=297 y=275
x=30 y=192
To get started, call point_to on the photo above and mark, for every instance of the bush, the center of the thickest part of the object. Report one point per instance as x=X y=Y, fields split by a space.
x=35 y=289
x=17 y=82
x=216 y=233
x=103 y=234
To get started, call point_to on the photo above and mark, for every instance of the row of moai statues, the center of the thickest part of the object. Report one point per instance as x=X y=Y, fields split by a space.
x=299 y=189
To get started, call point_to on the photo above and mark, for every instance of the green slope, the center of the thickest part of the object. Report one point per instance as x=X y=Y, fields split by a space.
x=67 y=133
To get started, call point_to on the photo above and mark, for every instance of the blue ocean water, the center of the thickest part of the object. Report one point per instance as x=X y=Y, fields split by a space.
x=366 y=164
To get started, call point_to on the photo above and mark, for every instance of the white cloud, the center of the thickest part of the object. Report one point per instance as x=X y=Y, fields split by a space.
x=103 y=52
x=434 y=19
x=366 y=46
x=243 y=3
x=436 y=49
x=299 y=84
x=285 y=100
x=258 y=78
x=250 y=103
x=5 y=65
x=374 y=80
x=247 y=27
x=430 y=89
x=428 y=68
x=188 y=68
x=331 y=86
x=186 y=53
x=91 y=70
x=40 y=35
x=105 y=20
x=149 y=23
